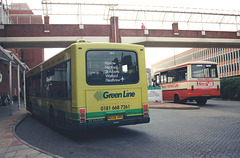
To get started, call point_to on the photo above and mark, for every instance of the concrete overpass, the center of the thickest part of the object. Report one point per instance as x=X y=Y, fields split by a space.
x=56 y=36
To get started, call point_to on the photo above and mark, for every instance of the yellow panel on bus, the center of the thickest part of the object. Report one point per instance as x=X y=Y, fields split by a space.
x=111 y=100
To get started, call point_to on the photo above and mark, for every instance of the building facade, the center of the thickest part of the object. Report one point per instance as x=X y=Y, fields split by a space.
x=20 y=13
x=15 y=62
x=149 y=79
x=228 y=59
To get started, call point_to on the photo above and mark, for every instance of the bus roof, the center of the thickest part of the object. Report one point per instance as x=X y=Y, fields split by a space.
x=185 y=64
x=65 y=54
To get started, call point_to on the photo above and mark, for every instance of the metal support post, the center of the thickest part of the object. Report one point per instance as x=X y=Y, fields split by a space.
x=24 y=87
x=19 y=89
x=10 y=86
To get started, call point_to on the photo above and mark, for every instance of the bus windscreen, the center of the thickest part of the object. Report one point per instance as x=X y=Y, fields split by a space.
x=111 y=67
x=204 y=71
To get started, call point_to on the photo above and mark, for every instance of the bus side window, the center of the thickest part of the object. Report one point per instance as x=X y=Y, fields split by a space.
x=164 y=77
x=161 y=78
x=171 y=76
x=181 y=74
x=157 y=78
x=57 y=81
x=36 y=88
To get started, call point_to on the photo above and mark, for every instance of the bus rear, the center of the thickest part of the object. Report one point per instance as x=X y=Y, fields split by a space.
x=197 y=81
x=110 y=88
x=204 y=82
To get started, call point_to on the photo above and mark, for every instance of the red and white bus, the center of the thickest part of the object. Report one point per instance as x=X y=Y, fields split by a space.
x=197 y=81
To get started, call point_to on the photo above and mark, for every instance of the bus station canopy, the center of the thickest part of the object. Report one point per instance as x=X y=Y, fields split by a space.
x=7 y=56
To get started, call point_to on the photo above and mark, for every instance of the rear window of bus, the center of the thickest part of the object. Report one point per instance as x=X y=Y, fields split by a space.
x=204 y=71
x=111 y=67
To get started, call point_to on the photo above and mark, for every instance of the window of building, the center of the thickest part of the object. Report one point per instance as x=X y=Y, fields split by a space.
x=234 y=53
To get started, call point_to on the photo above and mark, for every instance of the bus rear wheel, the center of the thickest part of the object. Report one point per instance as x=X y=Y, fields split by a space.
x=51 y=117
x=201 y=101
x=176 y=99
x=30 y=107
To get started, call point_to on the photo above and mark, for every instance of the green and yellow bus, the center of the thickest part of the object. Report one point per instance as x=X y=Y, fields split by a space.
x=89 y=85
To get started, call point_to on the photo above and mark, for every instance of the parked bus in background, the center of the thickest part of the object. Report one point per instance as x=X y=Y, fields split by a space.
x=89 y=85
x=197 y=81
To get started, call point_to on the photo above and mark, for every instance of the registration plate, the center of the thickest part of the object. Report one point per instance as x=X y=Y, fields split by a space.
x=206 y=95
x=118 y=117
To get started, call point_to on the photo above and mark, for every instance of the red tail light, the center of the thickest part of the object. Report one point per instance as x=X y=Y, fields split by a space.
x=218 y=88
x=192 y=88
x=145 y=110
x=82 y=115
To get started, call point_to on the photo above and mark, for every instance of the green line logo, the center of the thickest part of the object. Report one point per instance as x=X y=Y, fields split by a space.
x=98 y=95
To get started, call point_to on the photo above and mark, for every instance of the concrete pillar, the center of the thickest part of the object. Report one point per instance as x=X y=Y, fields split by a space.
x=235 y=61
x=238 y=61
x=1 y=12
x=46 y=25
x=175 y=29
x=114 y=30
x=46 y=19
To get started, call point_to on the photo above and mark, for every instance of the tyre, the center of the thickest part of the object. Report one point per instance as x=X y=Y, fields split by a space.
x=51 y=117
x=30 y=108
x=176 y=99
x=201 y=101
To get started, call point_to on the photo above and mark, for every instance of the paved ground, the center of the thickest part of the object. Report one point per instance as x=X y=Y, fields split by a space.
x=171 y=105
x=10 y=145
x=13 y=146
x=211 y=131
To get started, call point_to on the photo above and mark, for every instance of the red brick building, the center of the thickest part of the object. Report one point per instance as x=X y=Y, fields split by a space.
x=12 y=60
x=20 y=13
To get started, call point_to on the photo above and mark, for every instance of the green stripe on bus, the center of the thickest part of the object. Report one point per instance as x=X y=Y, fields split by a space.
x=94 y=115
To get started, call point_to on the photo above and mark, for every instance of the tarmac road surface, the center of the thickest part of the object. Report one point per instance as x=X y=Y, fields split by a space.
x=211 y=131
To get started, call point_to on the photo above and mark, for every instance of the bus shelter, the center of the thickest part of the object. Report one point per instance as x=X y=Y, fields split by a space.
x=10 y=61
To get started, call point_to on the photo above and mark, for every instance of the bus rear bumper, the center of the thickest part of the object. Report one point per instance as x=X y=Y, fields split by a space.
x=201 y=93
x=129 y=121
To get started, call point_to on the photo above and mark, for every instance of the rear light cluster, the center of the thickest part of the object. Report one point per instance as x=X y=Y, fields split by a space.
x=192 y=87
x=145 y=110
x=218 y=88
x=82 y=115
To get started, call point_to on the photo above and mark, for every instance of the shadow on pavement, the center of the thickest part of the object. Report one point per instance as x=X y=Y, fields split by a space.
x=93 y=134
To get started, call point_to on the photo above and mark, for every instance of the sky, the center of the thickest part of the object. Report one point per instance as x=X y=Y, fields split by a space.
x=153 y=55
